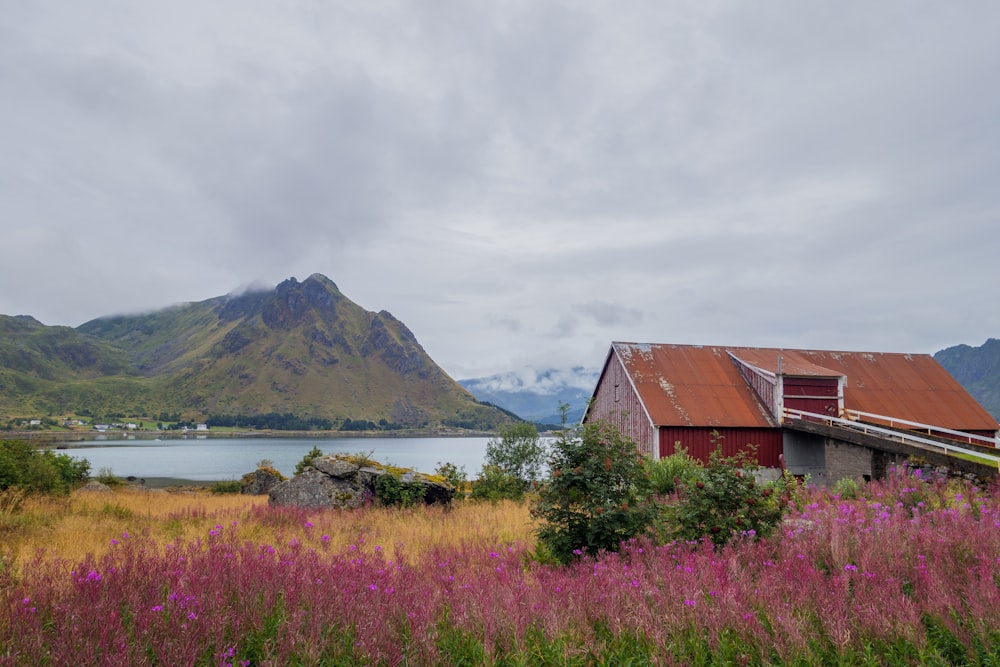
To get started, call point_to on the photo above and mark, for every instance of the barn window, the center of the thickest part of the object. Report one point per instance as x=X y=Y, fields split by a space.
x=617 y=393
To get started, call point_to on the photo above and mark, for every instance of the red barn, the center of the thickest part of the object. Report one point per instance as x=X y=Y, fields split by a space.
x=698 y=397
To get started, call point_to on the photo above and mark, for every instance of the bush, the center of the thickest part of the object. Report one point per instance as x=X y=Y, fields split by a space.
x=455 y=476
x=668 y=473
x=517 y=452
x=596 y=496
x=848 y=488
x=107 y=477
x=307 y=460
x=496 y=484
x=24 y=467
x=725 y=500
x=230 y=486
x=391 y=490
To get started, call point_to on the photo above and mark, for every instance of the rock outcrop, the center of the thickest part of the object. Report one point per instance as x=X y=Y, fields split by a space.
x=260 y=481
x=342 y=482
x=95 y=487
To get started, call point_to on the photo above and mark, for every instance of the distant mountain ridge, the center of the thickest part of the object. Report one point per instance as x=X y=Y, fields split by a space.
x=535 y=395
x=977 y=369
x=302 y=348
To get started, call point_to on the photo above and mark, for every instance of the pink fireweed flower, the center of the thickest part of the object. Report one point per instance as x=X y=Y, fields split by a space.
x=308 y=524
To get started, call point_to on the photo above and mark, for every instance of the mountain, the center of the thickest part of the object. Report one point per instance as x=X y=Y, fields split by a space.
x=535 y=395
x=302 y=348
x=977 y=369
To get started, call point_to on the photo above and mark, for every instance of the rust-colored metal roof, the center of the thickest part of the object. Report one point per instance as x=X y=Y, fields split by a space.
x=791 y=362
x=906 y=386
x=690 y=385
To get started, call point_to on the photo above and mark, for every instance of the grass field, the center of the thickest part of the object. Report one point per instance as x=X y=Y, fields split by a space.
x=907 y=572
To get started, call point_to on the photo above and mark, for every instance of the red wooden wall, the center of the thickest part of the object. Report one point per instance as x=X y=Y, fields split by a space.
x=699 y=442
x=616 y=402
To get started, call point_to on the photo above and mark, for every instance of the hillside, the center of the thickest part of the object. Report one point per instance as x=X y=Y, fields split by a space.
x=302 y=348
x=977 y=369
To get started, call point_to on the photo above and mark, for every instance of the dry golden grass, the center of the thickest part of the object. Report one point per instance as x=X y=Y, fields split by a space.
x=84 y=524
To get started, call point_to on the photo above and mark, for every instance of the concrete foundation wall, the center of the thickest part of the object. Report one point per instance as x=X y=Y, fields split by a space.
x=847 y=461
x=827 y=454
x=825 y=460
x=805 y=454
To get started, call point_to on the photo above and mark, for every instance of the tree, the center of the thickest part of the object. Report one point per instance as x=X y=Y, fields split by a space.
x=495 y=484
x=307 y=460
x=596 y=496
x=518 y=452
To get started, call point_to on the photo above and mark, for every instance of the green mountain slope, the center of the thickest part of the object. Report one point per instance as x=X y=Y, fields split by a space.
x=977 y=369
x=302 y=348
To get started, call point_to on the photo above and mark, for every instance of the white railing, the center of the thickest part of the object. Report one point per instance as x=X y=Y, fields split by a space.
x=906 y=438
x=971 y=438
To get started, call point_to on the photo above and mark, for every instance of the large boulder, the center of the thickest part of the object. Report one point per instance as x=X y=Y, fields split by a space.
x=260 y=481
x=340 y=482
x=315 y=489
x=94 y=486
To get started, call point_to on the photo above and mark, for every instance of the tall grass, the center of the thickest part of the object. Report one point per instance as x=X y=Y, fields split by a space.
x=906 y=573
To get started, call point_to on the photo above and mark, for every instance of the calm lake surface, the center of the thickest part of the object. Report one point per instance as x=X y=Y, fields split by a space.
x=221 y=459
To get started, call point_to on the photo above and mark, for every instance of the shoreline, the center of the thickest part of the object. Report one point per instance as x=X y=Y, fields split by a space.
x=51 y=438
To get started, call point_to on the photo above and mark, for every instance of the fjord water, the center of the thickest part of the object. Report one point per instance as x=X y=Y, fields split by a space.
x=221 y=459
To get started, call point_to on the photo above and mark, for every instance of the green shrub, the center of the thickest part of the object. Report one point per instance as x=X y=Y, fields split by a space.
x=596 y=496
x=455 y=476
x=725 y=500
x=107 y=477
x=307 y=460
x=391 y=490
x=847 y=488
x=496 y=484
x=668 y=473
x=34 y=471
x=229 y=486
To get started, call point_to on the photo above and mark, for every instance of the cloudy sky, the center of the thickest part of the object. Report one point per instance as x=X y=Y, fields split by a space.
x=520 y=182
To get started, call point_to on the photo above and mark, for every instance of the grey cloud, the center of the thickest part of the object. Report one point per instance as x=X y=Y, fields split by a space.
x=508 y=324
x=516 y=181
x=609 y=314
